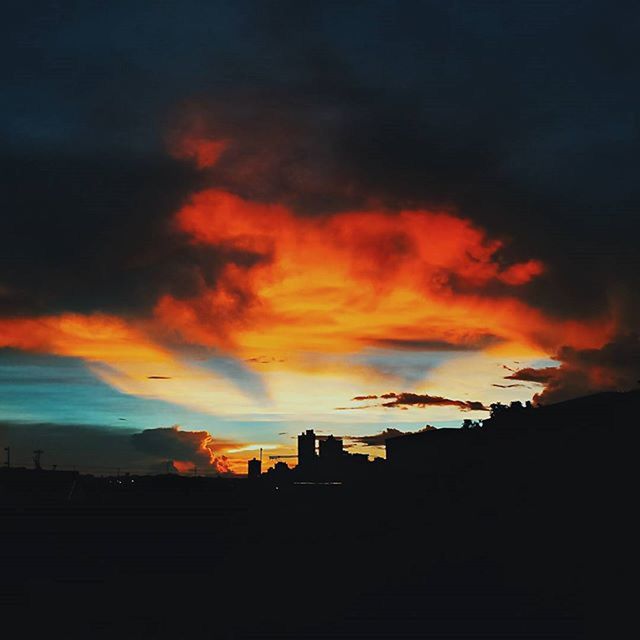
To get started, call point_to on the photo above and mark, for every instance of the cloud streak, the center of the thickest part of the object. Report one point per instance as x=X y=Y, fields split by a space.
x=421 y=401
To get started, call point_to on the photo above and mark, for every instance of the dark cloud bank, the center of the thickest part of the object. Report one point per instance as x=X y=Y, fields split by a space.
x=615 y=367
x=104 y=450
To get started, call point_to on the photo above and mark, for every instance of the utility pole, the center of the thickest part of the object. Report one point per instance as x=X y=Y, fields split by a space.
x=8 y=462
x=36 y=458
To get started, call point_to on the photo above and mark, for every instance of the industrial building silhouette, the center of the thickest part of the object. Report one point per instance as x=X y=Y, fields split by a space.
x=319 y=458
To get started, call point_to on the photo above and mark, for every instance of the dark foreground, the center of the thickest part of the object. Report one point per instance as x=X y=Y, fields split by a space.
x=308 y=562
x=527 y=543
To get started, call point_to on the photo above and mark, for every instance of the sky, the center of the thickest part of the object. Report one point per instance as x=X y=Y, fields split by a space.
x=227 y=222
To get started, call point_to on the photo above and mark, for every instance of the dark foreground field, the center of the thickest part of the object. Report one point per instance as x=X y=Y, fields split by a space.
x=388 y=560
x=526 y=537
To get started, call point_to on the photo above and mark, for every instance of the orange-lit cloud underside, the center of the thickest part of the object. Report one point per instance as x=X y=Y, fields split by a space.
x=330 y=283
x=340 y=282
x=315 y=285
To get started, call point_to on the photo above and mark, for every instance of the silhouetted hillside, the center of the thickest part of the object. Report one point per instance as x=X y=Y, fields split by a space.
x=607 y=410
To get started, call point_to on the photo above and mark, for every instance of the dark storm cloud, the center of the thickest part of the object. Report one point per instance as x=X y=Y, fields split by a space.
x=473 y=343
x=171 y=443
x=87 y=448
x=541 y=376
x=615 y=367
x=93 y=234
x=521 y=116
x=104 y=450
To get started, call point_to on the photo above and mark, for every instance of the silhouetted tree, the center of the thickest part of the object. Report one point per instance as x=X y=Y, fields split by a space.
x=497 y=408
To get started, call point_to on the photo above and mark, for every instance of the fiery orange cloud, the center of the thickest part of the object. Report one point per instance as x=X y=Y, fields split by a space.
x=314 y=286
x=337 y=282
x=97 y=337
x=219 y=462
x=375 y=247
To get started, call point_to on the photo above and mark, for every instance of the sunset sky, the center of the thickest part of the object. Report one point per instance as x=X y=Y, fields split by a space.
x=252 y=218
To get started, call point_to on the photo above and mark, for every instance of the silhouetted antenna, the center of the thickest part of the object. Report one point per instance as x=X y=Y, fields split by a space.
x=36 y=458
x=8 y=462
x=261 y=455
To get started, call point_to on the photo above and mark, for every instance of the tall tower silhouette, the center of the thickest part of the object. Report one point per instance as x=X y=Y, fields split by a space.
x=306 y=448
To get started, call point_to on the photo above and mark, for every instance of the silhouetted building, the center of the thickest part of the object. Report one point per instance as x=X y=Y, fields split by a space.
x=280 y=473
x=254 y=468
x=306 y=448
x=355 y=459
x=435 y=451
x=331 y=450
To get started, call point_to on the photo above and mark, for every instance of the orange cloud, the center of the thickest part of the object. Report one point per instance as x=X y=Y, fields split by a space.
x=315 y=287
x=336 y=282
x=96 y=337
x=330 y=283
x=375 y=247
x=127 y=355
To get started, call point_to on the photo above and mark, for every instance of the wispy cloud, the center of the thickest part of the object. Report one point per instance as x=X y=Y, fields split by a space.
x=420 y=400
